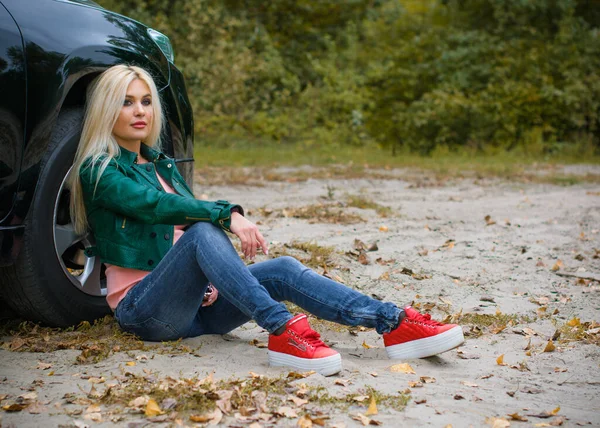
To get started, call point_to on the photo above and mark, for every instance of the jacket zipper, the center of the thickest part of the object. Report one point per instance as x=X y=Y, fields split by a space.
x=197 y=219
x=124 y=221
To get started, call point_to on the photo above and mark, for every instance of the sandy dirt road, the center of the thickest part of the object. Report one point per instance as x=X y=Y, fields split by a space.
x=516 y=264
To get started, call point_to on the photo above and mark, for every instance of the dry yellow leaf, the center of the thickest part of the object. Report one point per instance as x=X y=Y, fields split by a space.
x=497 y=422
x=427 y=379
x=130 y=363
x=383 y=228
x=575 y=322
x=402 y=368
x=372 y=410
x=549 y=346
x=366 y=345
x=500 y=360
x=555 y=411
x=305 y=422
x=362 y=419
x=152 y=408
x=557 y=265
x=517 y=417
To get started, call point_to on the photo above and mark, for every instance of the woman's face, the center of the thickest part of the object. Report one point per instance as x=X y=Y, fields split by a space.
x=135 y=120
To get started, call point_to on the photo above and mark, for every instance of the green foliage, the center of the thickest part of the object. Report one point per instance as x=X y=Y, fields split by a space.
x=411 y=75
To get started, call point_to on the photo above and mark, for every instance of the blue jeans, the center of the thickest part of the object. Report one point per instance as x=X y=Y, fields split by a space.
x=167 y=303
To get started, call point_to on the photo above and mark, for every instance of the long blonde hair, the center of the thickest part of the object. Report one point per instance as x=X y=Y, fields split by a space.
x=105 y=97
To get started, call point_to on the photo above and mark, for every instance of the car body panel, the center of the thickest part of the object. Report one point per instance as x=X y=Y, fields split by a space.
x=12 y=109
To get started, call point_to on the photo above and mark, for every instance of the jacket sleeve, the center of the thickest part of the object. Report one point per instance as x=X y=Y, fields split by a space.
x=119 y=193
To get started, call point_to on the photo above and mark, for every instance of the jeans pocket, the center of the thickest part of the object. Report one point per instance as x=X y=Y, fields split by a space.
x=152 y=329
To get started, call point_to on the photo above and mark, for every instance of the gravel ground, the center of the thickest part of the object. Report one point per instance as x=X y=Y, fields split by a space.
x=516 y=264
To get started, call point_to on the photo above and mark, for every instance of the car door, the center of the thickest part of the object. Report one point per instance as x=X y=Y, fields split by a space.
x=12 y=110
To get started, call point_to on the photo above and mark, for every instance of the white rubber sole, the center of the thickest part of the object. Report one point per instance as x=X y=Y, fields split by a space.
x=326 y=366
x=427 y=347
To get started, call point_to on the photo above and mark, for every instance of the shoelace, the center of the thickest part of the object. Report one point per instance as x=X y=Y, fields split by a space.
x=313 y=338
x=426 y=319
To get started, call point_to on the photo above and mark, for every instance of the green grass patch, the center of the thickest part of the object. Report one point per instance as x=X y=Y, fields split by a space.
x=310 y=254
x=224 y=164
x=363 y=203
x=316 y=213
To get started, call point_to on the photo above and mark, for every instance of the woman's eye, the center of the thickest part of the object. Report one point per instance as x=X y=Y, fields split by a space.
x=147 y=102
x=126 y=103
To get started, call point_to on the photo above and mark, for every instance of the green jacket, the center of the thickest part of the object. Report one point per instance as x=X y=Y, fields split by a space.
x=132 y=218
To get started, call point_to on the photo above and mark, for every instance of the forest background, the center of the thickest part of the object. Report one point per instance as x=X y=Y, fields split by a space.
x=426 y=77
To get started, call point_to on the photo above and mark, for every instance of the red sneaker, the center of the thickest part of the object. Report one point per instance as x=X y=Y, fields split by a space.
x=418 y=336
x=300 y=347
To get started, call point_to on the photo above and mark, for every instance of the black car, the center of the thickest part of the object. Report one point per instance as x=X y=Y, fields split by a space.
x=50 y=51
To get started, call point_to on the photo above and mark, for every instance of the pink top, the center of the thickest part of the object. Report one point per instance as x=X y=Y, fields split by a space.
x=119 y=279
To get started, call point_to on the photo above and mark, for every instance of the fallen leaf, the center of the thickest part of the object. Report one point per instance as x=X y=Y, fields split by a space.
x=557 y=266
x=549 y=346
x=383 y=228
x=360 y=398
x=517 y=417
x=152 y=408
x=43 y=366
x=14 y=407
x=488 y=220
x=130 y=363
x=402 y=368
x=374 y=374
x=29 y=396
x=575 y=322
x=94 y=408
x=465 y=356
x=139 y=402
x=367 y=346
x=427 y=379
x=96 y=417
x=297 y=400
x=213 y=418
x=305 y=422
x=500 y=360
x=458 y=397
x=471 y=384
x=372 y=410
x=497 y=329
x=365 y=420
x=497 y=422
x=287 y=411
x=420 y=401
x=416 y=384
x=342 y=382
x=560 y=369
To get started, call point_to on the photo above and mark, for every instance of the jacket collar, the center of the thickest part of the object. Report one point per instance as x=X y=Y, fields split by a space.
x=128 y=158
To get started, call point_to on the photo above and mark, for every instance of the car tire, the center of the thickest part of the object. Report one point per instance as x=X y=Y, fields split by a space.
x=45 y=284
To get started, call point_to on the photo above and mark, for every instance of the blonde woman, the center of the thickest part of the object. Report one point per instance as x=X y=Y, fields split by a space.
x=164 y=249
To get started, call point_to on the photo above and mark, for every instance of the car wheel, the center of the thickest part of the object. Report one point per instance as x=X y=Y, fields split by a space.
x=53 y=281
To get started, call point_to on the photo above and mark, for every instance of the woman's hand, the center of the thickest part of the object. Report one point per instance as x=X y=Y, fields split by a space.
x=249 y=235
x=211 y=297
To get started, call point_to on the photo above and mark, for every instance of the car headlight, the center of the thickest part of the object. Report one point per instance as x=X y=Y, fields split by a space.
x=163 y=43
